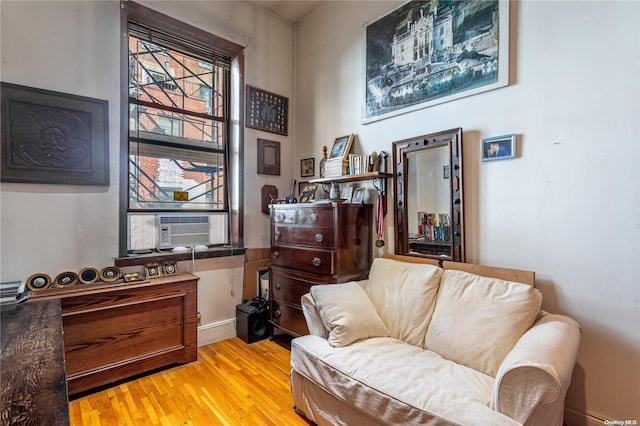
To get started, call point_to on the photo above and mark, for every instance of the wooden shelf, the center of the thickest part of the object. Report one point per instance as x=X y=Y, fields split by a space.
x=353 y=178
x=382 y=189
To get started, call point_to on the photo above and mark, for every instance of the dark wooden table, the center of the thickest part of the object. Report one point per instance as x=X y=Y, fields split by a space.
x=33 y=386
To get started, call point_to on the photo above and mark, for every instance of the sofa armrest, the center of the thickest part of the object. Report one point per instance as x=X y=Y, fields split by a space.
x=532 y=381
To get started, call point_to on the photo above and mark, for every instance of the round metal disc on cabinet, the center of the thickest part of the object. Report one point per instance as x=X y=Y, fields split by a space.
x=110 y=274
x=88 y=275
x=66 y=279
x=38 y=281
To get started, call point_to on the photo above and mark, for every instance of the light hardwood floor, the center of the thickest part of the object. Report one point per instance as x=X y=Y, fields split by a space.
x=231 y=383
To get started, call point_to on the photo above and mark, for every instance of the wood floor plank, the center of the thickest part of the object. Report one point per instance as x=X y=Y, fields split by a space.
x=232 y=383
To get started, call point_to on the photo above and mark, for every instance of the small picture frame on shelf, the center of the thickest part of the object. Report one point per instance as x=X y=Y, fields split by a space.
x=498 y=147
x=307 y=167
x=341 y=146
x=308 y=194
x=358 y=195
x=152 y=270
x=170 y=268
x=347 y=193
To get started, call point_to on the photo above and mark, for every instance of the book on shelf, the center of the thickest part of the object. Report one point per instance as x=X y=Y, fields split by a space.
x=359 y=164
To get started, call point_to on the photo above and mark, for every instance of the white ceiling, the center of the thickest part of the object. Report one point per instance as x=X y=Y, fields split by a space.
x=291 y=11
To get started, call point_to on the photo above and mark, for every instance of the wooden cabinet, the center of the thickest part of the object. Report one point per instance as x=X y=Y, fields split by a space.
x=114 y=331
x=316 y=243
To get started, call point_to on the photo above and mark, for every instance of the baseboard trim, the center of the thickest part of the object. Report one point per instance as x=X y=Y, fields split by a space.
x=216 y=331
x=576 y=418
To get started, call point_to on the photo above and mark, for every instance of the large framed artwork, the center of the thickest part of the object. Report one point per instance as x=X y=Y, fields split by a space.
x=53 y=137
x=267 y=111
x=429 y=52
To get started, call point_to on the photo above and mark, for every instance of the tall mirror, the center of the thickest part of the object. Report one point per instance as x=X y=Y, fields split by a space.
x=429 y=220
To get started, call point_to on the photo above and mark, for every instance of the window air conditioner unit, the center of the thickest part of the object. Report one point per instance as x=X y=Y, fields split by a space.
x=183 y=230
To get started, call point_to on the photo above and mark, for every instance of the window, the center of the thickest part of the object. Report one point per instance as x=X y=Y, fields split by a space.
x=182 y=152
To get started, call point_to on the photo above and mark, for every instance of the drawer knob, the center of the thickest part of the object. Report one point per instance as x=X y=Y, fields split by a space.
x=275 y=255
x=278 y=287
x=280 y=217
x=277 y=235
x=316 y=261
x=319 y=238
x=277 y=313
x=313 y=217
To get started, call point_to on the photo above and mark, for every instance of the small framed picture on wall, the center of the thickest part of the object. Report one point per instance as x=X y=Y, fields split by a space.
x=498 y=147
x=307 y=167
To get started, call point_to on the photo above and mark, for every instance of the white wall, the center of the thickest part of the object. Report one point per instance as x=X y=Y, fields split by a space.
x=568 y=206
x=73 y=47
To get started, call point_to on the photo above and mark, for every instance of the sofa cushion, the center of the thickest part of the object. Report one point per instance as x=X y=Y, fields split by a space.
x=404 y=295
x=395 y=383
x=478 y=320
x=347 y=313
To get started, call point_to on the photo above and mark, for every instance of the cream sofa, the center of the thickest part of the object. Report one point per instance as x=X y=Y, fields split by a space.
x=418 y=344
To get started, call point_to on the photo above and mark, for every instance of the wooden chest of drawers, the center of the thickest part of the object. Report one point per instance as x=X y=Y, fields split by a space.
x=318 y=243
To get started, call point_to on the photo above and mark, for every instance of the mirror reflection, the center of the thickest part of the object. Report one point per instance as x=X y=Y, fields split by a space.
x=429 y=220
x=428 y=209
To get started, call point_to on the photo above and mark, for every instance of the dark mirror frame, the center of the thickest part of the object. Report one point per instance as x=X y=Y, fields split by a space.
x=453 y=139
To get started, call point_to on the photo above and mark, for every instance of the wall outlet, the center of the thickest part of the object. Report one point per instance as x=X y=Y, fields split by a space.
x=199 y=316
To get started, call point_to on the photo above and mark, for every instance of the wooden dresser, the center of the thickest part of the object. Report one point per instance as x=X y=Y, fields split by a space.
x=115 y=331
x=315 y=243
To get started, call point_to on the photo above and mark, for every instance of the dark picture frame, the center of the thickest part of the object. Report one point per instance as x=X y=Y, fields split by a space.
x=268 y=157
x=170 y=268
x=308 y=194
x=341 y=146
x=53 y=137
x=267 y=111
x=425 y=53
x=307 y=167
x=498 y=147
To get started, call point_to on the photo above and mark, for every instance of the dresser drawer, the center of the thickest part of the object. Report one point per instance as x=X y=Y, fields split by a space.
x=288 y=289
x=288 y=317
x=312 y=237
x=318 y=261
x=308 y=216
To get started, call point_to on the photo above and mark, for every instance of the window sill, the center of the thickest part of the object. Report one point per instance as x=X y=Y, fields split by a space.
x=142 y=259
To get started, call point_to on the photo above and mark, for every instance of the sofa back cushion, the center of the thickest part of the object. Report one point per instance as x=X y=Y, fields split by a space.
x=347 y=313
x=478 y=320
x=404 y=295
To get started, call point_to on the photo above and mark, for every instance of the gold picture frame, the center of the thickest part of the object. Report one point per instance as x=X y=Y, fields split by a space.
x=307 y=167
x=152 y=270
x=341 y=146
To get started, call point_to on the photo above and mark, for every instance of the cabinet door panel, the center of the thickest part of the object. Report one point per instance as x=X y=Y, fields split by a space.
x=96 y=339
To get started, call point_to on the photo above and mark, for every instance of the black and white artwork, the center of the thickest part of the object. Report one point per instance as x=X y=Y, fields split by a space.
x=430 y=52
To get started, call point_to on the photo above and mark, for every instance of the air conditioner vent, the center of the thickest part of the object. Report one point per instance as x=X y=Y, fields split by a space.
x=183 y=230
